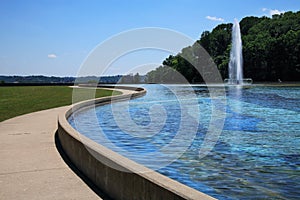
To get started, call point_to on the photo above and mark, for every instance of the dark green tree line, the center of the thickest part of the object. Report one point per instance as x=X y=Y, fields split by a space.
x=271 y=51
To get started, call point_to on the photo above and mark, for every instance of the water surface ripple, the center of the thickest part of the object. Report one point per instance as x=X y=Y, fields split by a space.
x=256 y=157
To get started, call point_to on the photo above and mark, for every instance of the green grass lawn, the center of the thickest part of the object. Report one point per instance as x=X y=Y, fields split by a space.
x=19 y=100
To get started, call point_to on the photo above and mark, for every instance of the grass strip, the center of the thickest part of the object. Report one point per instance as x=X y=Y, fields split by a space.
x=19 y=100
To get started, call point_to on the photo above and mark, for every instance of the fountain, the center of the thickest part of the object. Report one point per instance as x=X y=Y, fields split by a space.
x=235 y=68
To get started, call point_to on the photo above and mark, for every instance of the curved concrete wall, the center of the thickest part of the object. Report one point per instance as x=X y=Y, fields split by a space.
x=117 y=176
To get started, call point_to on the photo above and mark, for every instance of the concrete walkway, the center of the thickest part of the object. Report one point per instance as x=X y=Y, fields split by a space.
x=31 y=166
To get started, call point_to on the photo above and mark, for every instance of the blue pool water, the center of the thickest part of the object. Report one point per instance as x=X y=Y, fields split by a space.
x=256 y=156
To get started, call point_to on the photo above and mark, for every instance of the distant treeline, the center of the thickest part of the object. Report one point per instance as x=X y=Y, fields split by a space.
x=271 y=51
x=53 y=80
x=35 y=79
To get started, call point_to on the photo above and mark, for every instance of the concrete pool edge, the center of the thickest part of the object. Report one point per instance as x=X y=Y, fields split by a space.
x=95 y=161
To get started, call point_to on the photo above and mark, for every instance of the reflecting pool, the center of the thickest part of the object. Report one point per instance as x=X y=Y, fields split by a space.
x=257 y=155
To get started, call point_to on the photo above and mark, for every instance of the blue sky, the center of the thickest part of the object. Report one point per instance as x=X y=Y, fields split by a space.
x=53 y=37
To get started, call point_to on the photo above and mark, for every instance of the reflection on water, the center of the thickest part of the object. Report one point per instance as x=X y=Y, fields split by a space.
x=256 y=157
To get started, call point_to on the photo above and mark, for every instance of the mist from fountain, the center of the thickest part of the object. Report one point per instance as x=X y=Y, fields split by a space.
x=236 y=56
x=235 y=67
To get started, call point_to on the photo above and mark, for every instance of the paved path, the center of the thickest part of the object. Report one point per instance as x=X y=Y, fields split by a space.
x=31 y=166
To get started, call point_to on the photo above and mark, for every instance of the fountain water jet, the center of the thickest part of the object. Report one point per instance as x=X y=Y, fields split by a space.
x=235 y=68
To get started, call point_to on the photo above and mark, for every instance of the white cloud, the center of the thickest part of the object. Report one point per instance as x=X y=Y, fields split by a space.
x=272 y=11
x=214 y=18
x=52 y=56
x=276 y=12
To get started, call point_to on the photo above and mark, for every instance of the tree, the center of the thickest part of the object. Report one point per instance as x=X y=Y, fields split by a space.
x=136 y=78
x=271 y=50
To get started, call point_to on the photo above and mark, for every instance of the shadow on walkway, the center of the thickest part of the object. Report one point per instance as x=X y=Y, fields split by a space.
x=77 y=171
